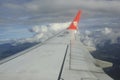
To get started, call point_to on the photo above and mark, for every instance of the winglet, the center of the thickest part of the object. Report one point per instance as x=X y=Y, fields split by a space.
x=74 y=24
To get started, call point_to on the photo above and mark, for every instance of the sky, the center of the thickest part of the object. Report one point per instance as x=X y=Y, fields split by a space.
x=27 y=11
x=18 y=16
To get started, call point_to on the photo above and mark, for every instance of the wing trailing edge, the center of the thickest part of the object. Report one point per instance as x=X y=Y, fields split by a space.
x=74 y=24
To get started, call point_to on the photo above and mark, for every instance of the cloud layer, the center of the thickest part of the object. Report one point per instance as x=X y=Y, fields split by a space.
x=27 y=11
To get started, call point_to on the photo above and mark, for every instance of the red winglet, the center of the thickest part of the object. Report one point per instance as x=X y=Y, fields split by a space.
x=74 y=24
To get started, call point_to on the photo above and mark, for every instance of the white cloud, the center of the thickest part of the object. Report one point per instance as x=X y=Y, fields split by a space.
x=35 y=29
x=107 y=30
x=43 y=32
x=100 y=36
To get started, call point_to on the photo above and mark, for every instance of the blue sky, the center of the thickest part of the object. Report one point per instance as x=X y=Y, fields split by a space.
x=14 y=32
x=18 y=16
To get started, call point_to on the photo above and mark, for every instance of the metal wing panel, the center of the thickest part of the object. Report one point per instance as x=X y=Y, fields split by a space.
x=41 y=63
x=79 y=64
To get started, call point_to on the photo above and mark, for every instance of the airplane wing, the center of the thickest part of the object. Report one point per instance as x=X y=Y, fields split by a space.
x=62 y=57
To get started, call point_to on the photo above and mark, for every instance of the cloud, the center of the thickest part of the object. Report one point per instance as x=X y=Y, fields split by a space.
x=43 y=32
x=107 y=30
x=55 y=10
x=99 y=31
x=100 y=37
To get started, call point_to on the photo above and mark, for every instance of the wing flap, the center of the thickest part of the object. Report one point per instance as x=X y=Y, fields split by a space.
x=80 y=65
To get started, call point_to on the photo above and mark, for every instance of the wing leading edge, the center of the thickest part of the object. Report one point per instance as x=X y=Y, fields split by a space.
x=60 y=57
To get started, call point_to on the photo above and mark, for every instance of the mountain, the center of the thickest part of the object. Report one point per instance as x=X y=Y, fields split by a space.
x=9 y=49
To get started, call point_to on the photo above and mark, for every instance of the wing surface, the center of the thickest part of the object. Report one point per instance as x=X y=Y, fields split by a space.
x=60 y=57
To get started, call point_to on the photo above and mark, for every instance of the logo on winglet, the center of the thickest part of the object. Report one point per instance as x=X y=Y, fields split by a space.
x=75 y=23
